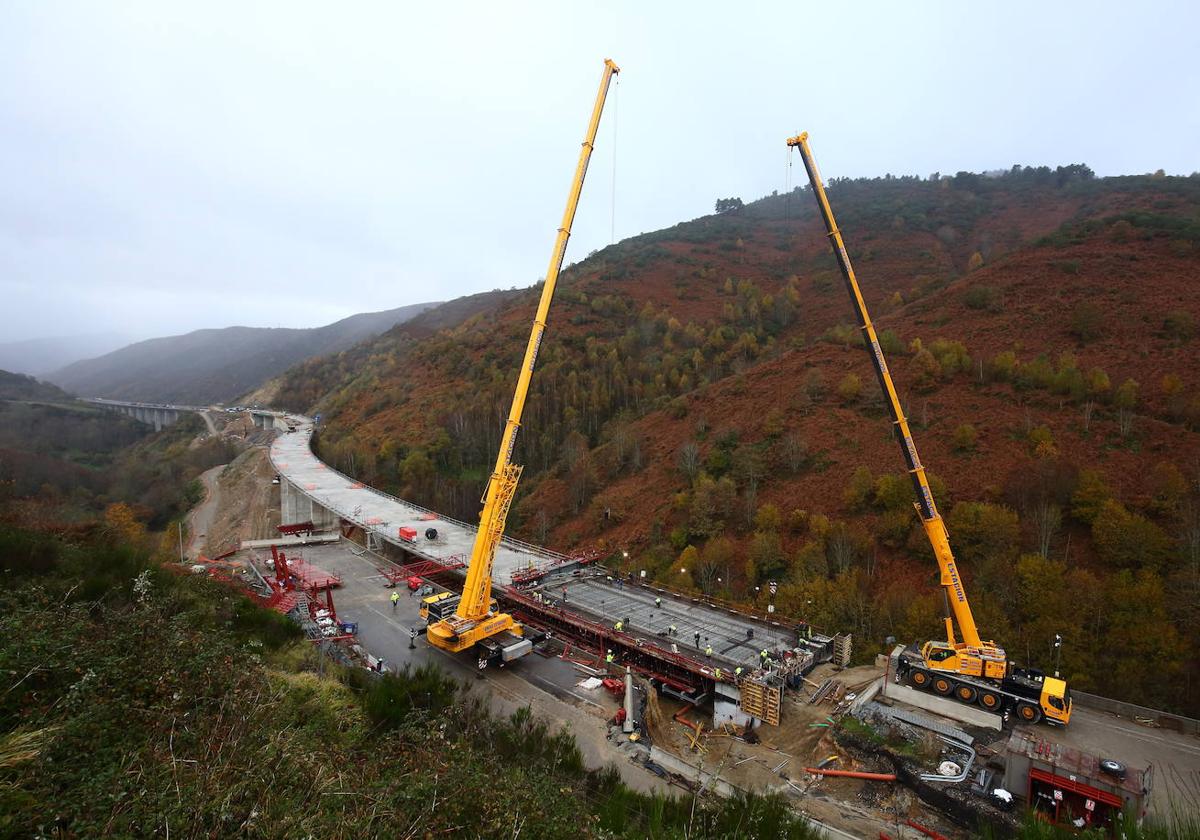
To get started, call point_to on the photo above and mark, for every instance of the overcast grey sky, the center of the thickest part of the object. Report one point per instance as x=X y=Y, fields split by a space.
x=170 y=166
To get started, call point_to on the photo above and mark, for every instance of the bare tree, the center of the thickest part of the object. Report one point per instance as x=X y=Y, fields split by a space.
x=795 y=452
x=1125 y=420
x=689 y=460
x=841 y=547
x=1089 y=409
x=1047 y=519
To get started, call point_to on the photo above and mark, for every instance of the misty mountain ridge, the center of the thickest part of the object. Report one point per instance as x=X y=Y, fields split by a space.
x=39 y=356
x=218 y=365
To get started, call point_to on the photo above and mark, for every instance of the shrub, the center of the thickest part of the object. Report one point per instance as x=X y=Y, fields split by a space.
x=849 y=388
x=859 y=490
x=1004 y=365
x=1086 y=322
x=1178 y=325
x=965 y=437
x=979 y=297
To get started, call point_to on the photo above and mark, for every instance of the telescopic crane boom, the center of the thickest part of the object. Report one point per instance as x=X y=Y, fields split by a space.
x=475 y=621
x=973 y=670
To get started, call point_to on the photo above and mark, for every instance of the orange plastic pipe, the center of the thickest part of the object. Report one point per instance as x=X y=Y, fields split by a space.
x=853 y=774
x=677 y=717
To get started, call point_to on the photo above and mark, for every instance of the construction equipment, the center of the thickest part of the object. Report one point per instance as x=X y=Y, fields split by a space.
x=495 y=635
x=973 y=670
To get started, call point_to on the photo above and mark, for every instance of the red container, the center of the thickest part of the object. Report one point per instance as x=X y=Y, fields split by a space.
x=409 y=534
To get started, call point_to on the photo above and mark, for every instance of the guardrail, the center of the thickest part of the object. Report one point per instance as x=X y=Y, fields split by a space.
x=1166 y=720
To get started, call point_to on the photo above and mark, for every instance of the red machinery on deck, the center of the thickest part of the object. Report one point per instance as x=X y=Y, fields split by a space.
x=296 y=529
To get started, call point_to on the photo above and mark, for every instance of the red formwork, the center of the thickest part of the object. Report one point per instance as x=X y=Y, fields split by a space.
x=295 y=528
x=310 y=576
x=422 y=568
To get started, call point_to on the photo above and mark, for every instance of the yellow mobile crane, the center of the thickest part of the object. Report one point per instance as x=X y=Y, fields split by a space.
x=973 y=670
x=476 y=621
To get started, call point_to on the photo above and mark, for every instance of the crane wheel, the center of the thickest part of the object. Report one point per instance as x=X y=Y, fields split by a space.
x=965 y=693
x=943 y=686
x=920 y=679
x=1028 y=712
x=990 y=700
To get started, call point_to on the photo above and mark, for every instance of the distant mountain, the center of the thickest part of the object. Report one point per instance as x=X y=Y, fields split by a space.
x=300 y=388
x=37 y=356
x=217 y=365
x=18 y=386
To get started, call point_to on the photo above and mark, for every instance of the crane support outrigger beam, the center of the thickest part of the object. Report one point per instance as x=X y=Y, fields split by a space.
x=473 y=620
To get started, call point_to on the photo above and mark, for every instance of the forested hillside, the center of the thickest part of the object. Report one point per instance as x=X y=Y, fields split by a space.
x=702 y=401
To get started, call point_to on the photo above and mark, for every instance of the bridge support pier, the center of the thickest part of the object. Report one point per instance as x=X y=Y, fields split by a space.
x=287 y=502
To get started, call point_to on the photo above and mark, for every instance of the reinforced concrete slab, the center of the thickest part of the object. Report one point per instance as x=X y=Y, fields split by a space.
x=384 y=515
x=735 y=640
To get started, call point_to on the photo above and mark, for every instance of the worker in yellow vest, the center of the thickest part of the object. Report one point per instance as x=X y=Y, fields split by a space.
x=708 y=651
x=609 y=658
x=718 y=674
x=737 y=673
x=619 y=626
x=395 y=600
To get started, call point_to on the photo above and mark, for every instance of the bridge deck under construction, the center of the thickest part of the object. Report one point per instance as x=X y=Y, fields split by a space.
x=647 y=614
x=382 y=515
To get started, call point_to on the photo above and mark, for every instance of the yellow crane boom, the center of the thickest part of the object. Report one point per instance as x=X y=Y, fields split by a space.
x=473 y=620
x=973 y=657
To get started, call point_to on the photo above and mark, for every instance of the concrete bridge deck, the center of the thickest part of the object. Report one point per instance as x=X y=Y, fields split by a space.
x=311 y=490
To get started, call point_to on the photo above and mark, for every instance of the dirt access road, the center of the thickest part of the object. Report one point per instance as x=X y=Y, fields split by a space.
x=201 y=516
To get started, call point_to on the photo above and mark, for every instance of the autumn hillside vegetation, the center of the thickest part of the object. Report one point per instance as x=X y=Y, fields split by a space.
x=703 y=402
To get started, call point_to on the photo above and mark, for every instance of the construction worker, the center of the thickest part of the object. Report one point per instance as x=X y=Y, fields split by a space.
x=765 y=657
x=737 y=673
x=674 y=648
x=708 y=651
x=609 y=658
x=619 y=626
x=672 y=631
x=395 y=600
x=564 y=594
x=658 y=603
x=717 y=674
x=697 y=639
